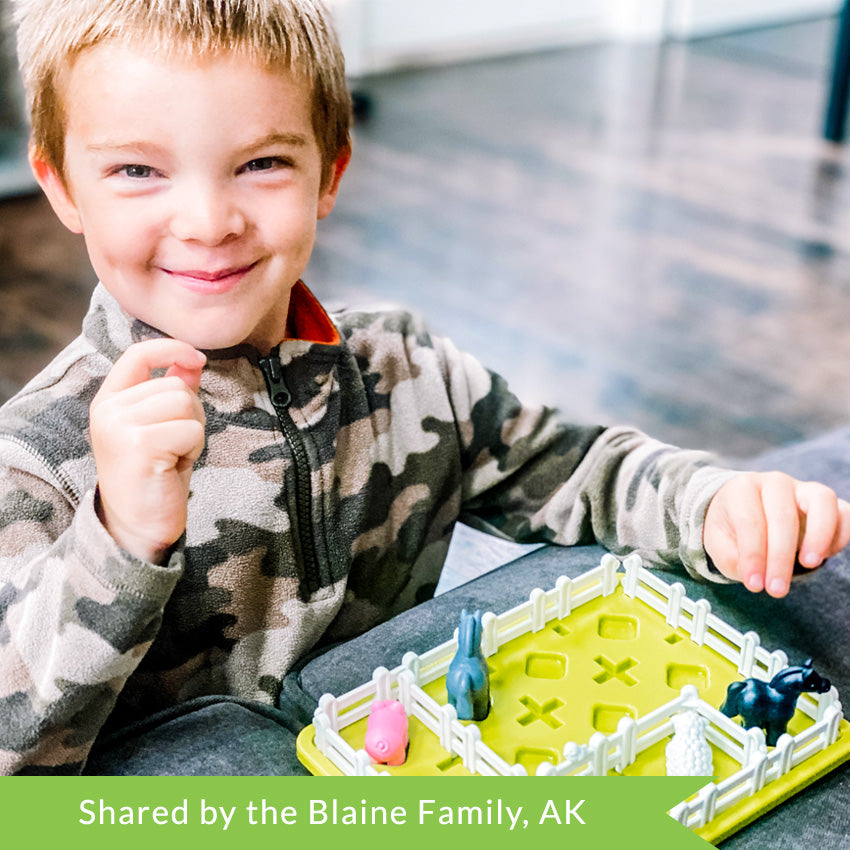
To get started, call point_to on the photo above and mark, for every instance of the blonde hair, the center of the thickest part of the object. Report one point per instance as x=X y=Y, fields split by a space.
x=293 y=34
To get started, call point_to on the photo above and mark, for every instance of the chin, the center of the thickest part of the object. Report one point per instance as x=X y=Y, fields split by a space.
x=212 y=341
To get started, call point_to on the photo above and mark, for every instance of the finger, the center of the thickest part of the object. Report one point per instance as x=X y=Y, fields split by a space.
x=140 y=394
x=819 y=506
x=135 y=365
x=174 y=440
x=174 y=404
x=750 y=531
x=723 y=552
x=783 y=529
x=842 y=534
x=190 y=376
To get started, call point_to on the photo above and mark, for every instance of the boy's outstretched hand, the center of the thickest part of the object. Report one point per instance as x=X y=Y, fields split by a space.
x=146 y=433
x=760 y=524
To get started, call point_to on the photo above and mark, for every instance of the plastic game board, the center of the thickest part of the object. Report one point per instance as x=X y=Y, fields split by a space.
x=585 y=680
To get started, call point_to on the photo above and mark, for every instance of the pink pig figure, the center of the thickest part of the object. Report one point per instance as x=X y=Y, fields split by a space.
x=386 y=732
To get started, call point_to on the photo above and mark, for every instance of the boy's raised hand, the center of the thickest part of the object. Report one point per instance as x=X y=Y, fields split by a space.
x=146 y=433
x=760 y=524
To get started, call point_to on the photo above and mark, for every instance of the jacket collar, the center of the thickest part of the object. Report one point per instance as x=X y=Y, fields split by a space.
x=112 y=330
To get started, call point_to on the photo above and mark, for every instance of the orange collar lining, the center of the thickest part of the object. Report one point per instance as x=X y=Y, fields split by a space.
x=307 y=319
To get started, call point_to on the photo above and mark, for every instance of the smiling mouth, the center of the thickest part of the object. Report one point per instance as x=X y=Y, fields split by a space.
x=201 y=280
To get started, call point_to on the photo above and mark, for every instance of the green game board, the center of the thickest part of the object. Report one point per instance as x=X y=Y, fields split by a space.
x=584 y=680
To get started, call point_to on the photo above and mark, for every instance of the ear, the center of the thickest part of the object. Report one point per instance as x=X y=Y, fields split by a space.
x=53 y=185
x=327 y=196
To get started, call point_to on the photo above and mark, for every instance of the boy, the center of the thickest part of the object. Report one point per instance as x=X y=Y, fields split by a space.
x=215 y=477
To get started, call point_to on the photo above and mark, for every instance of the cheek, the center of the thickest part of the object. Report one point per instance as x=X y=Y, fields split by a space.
x=116 y=237
x=294 y=230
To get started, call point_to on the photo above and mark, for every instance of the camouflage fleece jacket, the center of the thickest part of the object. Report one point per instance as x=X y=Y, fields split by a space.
x=333 y=473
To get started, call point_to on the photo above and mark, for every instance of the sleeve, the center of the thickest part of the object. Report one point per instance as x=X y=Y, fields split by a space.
x=77 y=614
x=533 y=478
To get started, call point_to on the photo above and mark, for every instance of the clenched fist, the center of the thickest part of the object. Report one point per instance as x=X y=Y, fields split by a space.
x=146 y=434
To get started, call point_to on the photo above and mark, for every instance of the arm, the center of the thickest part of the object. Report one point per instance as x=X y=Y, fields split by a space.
x=76 y=614
x=82 y=588
x=535 y=479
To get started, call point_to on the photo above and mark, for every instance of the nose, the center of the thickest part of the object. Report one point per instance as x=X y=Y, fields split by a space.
x=206 y=213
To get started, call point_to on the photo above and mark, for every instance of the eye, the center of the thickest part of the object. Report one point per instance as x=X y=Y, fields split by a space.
x=266 y=163
x=135 y=171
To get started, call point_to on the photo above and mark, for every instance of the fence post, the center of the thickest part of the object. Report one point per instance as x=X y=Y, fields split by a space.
x=405 y=693
x=564 y=587
x=537 y=598
x=632 y=565
x=328 y=704
x=381 y=678
x=760 y=772
x=598 y=744
x=748 y=654
x=832 y=716
x=609 y=565
x=754 y=745
x=448 y=716
x=777 y=661
x=411 y=661
x=674 y=604
x=785 y=747
x=471 y=736
x=708 y=802
x=702 y=608
x=627 y=730
x=362 y=766
x=489 y=635
x=825 y=701
x=689 y=694
x=322 y=726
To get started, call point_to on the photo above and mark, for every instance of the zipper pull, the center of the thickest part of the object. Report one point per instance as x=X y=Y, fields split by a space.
x=278 y=391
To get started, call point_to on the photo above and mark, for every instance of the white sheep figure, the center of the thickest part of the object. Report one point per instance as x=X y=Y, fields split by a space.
x=688 y=753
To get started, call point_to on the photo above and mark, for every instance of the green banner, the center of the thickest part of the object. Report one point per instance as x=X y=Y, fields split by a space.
x=212 y=812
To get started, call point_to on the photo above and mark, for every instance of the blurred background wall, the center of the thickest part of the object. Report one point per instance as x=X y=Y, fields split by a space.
x=381 y=35
x=624 y=206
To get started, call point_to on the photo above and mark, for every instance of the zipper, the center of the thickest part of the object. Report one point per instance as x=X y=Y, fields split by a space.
x=68 y=487
x=281 y=398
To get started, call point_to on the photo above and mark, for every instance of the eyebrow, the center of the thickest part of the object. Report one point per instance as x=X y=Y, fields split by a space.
x=109 y=146
x=291 y=139
x=288 y=139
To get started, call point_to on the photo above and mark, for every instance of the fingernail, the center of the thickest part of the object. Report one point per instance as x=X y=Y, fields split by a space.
x=810 y=559
x=778 y=587
x=755 y=582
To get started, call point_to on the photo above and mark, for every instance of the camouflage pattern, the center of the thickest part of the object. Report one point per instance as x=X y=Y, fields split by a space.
x=399 y=434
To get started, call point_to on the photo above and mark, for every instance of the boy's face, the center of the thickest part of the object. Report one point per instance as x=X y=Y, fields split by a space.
x=197 y=186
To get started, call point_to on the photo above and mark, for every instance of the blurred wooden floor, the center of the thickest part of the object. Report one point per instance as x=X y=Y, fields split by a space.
x=636 y=234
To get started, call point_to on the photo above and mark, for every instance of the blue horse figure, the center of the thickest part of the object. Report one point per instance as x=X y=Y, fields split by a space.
x=770 y=705
x=468 y=679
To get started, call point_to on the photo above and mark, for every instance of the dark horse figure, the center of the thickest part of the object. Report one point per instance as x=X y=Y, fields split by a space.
x=770 y=705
